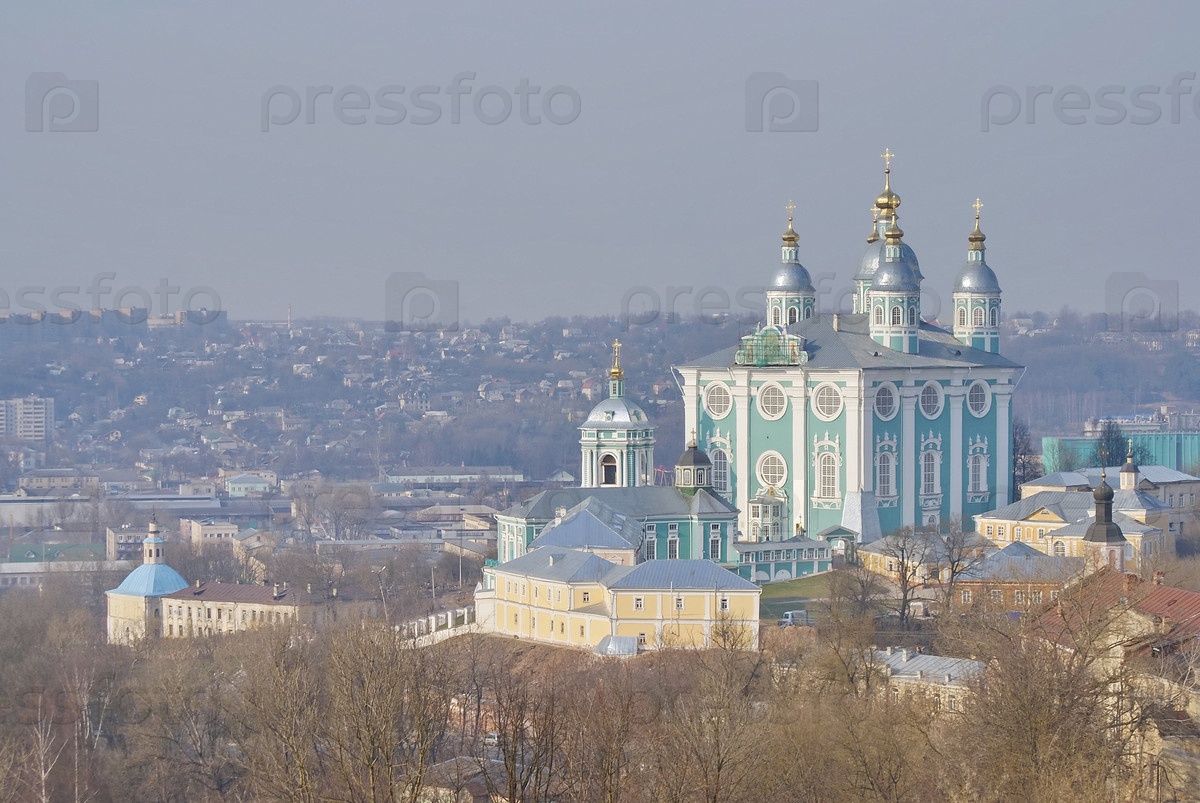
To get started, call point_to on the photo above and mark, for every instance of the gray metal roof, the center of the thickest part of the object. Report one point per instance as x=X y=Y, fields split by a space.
x=1090 y=477
x=644 y=503
x=910 y=664
x=616 y=645
x=678 y=574
x=851 y=346
x=1020 y=562
x=616 y=413
x=584 y=529
x=559 y=565
x=1071 y=506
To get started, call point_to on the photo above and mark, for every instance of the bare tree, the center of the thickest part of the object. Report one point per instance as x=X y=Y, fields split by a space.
x=909 y=551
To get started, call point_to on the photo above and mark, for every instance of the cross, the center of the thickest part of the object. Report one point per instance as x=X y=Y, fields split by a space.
x=791 y=207
x=875 y=213
x=887 y=158
x=977 y=206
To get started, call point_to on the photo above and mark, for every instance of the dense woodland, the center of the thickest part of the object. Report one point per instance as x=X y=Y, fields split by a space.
x=360 y=714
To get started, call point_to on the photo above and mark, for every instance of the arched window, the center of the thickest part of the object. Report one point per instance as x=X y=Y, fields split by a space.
x=883 y=475
x=962 y=316
x=827 y=475
x=995 y=316
x=807 y=313
x=720 y=471
x=977 y=316
x=776 y=316
x=977 y=471
x=897 y=316
x=608 y=470
x=912 y=316
x=793 y=314
x=1060 y=549
x=879 y=315
x=929 y=473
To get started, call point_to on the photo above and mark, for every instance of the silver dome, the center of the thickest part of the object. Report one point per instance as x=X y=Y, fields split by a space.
x=976 y=277
x=895 y=277
x=874 y=256
x=793 y=278
x=619 y=413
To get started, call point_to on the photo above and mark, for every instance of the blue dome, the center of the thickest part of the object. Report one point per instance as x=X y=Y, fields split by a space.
x=895 y=277
x=874 y=256
x=791 y=277
x=151 y=580
x=976 y=277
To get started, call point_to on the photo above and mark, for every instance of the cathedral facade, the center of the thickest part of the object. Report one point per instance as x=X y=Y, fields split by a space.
x=871 y=420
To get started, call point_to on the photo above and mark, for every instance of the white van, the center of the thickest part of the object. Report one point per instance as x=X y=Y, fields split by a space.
x=794 y=618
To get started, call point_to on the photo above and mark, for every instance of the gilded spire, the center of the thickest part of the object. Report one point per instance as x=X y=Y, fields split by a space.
x=615 y=372
x=893 y=232
x=976 y=237
x=874 y=235
x=692 y=443
x=887 y=200
x=790 y=238
x=1129 y=454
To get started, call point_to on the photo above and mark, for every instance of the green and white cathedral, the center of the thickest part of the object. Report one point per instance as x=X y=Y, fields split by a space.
x=871 y=420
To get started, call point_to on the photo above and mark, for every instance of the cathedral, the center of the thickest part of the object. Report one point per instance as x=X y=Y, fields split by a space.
x=867 y=421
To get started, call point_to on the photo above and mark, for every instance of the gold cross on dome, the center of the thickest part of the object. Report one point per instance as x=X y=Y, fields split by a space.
x=977 y=206
x=887 y=156
x=791 y=207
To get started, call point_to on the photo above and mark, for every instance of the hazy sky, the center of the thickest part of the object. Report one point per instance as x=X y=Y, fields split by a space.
x=656 y=182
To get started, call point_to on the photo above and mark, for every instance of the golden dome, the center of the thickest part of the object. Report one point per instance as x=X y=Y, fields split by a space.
x=893 y=232
x=976 y=237
x=887 y=200
x=790 y=237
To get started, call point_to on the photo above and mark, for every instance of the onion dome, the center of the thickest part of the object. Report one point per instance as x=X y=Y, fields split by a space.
x=792 y=278
x=1103 y=530
x=887 y=202
x=693 y=456
x=976 y=276
x=894 y=275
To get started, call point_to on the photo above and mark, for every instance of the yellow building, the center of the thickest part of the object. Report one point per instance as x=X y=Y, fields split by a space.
x=576 y=598
x=207 y=609
x=1055 y=522
x=135 y=608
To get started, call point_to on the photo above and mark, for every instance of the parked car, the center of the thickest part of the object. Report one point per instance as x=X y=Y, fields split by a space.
x=794 y=618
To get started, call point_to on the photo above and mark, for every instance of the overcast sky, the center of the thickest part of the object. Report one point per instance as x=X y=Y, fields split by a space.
x=640 y=173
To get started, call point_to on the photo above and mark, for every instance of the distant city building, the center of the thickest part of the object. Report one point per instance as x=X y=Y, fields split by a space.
x=59 y=479
x=30 y=418
x=452 y=475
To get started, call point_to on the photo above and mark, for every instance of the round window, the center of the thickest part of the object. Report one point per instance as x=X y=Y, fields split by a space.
x=772 y=470
x=717 y=400
x=772 y=401
x=931 y=400
x=827 y=402
x=885 y=402
x=978 y=399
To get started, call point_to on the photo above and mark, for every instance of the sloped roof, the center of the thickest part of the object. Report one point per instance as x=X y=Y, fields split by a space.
x=1174 y=612
x=645 y=502
x=931 y=668
x=861 y=514
x=678 y=574
x=1019 y=562
x=851 y=346
x=559 y=565
x=1072 y=506
x=151 y=580
x=585 y=529
x=616 y=645
x=1091 y=476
